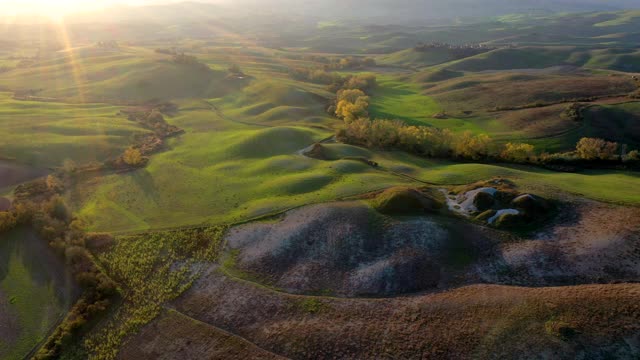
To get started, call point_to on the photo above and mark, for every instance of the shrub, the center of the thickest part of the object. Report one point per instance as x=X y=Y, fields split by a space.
x=54 y=184
x=573 y=112
x=632 y=156
x=317 y=76
x=596 y=149
x=132 y=157
x=57 y=209
x=518 y=152
x=471 y=146
x=69 y=166
x=351 y=104
x=7 y=221
x=364 y=82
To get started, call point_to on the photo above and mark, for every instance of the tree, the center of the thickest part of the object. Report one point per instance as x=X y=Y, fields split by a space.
x=632 y=156
x=596 y=149
x=363 y=82
x=54 y=184
x=351 y=104
x=518 y=152
x=57 y=209
x=471 y=146
x=132 y=157
x=69 y=166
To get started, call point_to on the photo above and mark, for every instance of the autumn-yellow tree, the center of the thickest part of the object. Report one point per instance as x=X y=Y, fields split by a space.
x=518 y=152
x=596 y=149
x=351 y=104
x=132 y=157
x=471 y=146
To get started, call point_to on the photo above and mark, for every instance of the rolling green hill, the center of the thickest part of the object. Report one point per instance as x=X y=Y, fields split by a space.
x=122 y=75
x=253 y=141
x=229 y=173
x=44 y=134
x=411 y=57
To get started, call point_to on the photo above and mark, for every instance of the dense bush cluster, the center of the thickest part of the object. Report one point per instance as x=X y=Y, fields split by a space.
x=519 y=153
x=573 y=112
x=152 y=118
x=335 y=63
x=317 y=76
x=184 y=59
x=334 y=81
x=596 y=149
x=21 y=214
x=364 y=82
x=421 y=140
x=351 y=104
x=350 y=63
x=352 y=101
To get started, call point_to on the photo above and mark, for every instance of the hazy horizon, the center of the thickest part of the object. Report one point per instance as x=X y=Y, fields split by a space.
x=407 y=9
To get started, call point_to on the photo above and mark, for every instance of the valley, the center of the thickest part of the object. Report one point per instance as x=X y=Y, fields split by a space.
x=208 y=188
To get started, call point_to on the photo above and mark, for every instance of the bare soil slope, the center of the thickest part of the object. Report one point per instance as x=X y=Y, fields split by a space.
x=347 y=248
x=175 y=336
x=480 y=321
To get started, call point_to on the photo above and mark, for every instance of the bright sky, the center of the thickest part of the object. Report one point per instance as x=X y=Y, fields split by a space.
x=56 y=8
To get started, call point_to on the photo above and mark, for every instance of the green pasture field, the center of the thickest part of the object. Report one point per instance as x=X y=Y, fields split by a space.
x=44 y=134
x=605 y=185
x=226 y=168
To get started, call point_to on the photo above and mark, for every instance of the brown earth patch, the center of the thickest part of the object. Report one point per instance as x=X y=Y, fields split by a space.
x=13 y=174
x=176 y=336
x=349 y=249
x=513 y=90
x=592 y=243
x=539 y=122
x=479 y=321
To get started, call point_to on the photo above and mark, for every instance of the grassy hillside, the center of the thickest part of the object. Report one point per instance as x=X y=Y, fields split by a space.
x=277 y=102
x=596 y=184
x=540 y=57
x=520 y=58
x=44 y=134
x=122 y=75
x=614 y=59
x=248 y=152
x=516 y=89
x=411 y=57
x=224 y=169
x=35 y=291
x=396 y=98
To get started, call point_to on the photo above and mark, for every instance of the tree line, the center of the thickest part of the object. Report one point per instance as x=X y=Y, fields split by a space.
x=455 y=51
x=352 y=101
x=443 y=143
x=326 y=74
